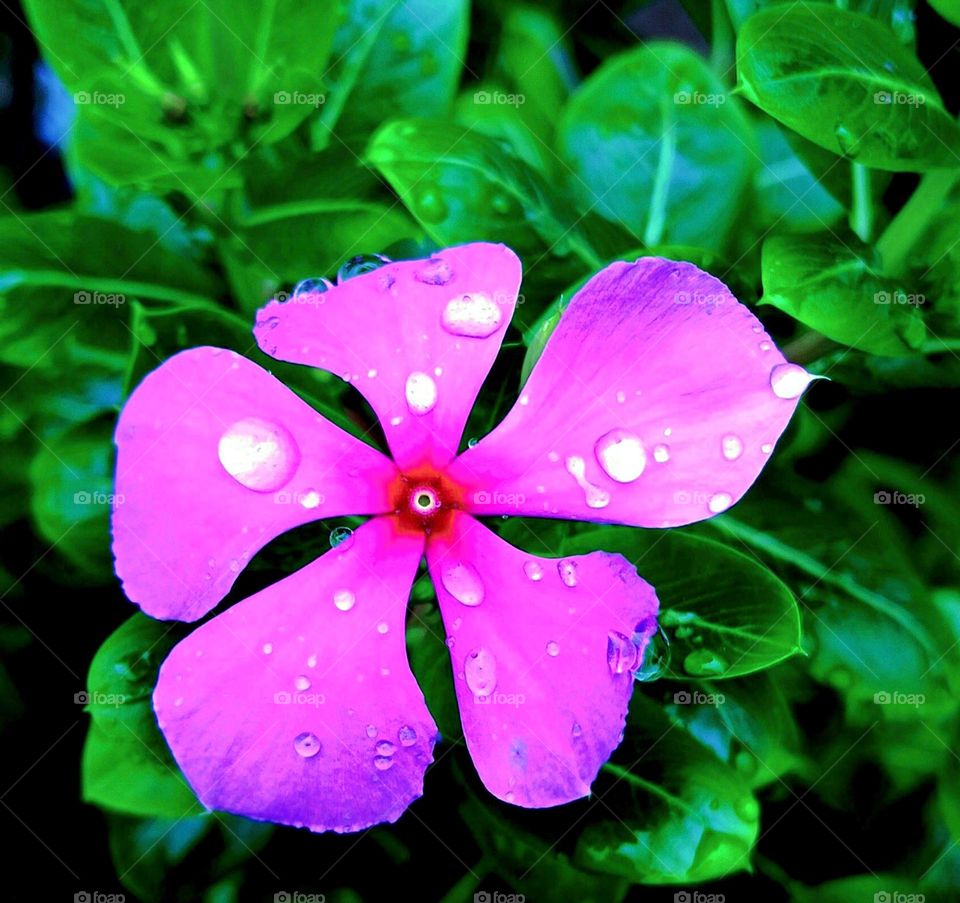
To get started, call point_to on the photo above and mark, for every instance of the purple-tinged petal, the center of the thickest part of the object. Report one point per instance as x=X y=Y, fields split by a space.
x=656 y=402
x=216 y=457
x=543 y=652
x=416 y=337
x=297 y=705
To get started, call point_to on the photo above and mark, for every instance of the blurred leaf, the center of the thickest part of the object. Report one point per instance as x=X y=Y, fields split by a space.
x=430 y=663
x=862 y=95
x=898 y=15
x=728 y=617
x=680 y=815
x=657 y=145
x=949 y=9
x=835 y=287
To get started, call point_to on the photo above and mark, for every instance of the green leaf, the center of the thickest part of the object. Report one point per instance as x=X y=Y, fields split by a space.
x=127 y=766
x=836 y=288
x=430 y=663
x=679 y=815
x=189 y=78
x=949 y=9
x=844 y=81
x=727 y=617
x=657 y=145
x=463 y=186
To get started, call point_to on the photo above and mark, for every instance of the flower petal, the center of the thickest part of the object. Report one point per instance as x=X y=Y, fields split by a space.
x=290 y=709
x=542 y=703
x=416 y=337
x=183 y=527
x=656 y=402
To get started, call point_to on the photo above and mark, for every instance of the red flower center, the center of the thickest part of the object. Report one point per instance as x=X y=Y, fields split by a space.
x=424 y=500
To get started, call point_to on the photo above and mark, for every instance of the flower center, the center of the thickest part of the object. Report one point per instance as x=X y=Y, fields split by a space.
x=423 y=500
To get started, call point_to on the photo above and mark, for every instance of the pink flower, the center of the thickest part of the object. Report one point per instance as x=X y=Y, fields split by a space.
x=656 y=403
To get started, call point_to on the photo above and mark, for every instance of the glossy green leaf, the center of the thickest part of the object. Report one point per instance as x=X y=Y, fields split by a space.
x=836 y=288
x=844 y=81
x=656 y=144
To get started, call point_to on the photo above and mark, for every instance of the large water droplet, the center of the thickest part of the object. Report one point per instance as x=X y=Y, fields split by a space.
x=435 y=272
x=258 y=454
x=362 y=263
x=655 y=661
x=789 y=380
x=719 y=501
x=594 y=496
x=344 y=599
x=420 y=392
x=567 y=569
x=533 y=570
x=306 y=744
x=407 y=735
x=621 y=455
x=314 y=286
x=462 y=580
x=704 y=663
x=474 y=315
x=621 y=652
x=732 y=446
x=341 y=538
x=480 y=671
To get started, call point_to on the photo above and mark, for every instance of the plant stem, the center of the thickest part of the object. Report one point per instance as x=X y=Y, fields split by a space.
x=861 y=213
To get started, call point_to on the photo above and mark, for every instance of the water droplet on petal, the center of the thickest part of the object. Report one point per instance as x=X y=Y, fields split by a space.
x=407 y=735
x=435 y=272
x=382 y=763
x=341 y=538
x=421 y=393
x=371 y=731
x=258 y=454
x=621 y=652
x=385 y=748
x=732 y=447
x=462 y=580
x=383 y=627
x=267 y=648
x=576 y=730
x=302 y=683
x=315 y=286
x=594 y=496
x=362 y=263
x=661 y=453
x=344 y=599
x=307 y=745
x=766 y=448
x=789 y=380
x=621 y=455
x=474 y=315
x=703 y=663
x=567 y=569
x=310 y=499
x=480 y=671
x=533 y=570
x=553 y=648
x=720 y=501
x=655 y=661
x=312 y=662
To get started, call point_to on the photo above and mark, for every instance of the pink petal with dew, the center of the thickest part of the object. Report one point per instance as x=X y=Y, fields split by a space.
x=216 y=457
x=416 y=337
x=656 y=402
x=543 y=652
x=297 y=705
